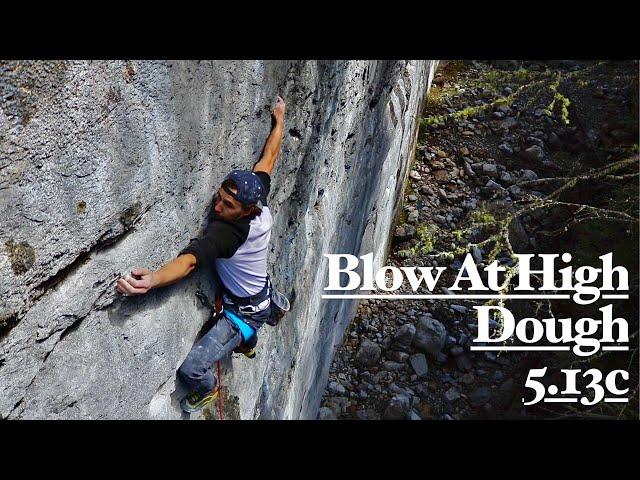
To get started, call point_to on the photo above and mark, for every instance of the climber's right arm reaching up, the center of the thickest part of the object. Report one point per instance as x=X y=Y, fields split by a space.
x=274 y=140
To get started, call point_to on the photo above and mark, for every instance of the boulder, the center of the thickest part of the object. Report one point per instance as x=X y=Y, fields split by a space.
x=430 y=335
x=368 y=354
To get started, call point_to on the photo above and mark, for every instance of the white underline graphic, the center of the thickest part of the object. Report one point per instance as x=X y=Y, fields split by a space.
x=451 y=297
x=575 y=400
x=467 y=297
x=533 y=348
x=519 y=348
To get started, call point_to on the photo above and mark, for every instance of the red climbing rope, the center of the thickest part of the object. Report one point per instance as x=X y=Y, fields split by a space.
x=220 y=410
x=217 y=307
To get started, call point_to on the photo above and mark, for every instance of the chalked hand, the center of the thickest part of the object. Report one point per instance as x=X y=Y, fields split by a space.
x=278 y=110
x=136 y=283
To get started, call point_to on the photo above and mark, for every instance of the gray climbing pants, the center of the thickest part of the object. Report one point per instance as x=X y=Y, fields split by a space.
x=217 y=343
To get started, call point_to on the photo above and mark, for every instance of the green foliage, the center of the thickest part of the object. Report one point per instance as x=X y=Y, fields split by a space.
x=563 y=101
x=494 y=80
x=468 y=112
x=426 y=236
x=481 y=217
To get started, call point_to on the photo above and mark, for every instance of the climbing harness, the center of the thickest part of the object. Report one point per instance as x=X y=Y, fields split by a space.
x=252 y=304
x=259 y=302
x=247 y=306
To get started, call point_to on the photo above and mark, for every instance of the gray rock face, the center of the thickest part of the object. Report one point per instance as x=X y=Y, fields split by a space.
x=110 y=165
x=430 y=335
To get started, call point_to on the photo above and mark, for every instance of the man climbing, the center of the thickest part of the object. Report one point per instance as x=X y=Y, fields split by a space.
x=234 y=249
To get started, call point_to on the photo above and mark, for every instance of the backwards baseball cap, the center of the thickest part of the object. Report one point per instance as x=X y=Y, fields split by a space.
x=249 y=187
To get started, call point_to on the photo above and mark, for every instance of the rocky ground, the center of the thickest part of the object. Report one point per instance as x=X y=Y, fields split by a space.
x=490 y=132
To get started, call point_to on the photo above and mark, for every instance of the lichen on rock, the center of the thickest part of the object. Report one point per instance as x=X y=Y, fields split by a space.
x=21 y=255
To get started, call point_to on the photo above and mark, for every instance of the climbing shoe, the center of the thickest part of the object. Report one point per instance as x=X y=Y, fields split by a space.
x=194 y=401
x=248 y=352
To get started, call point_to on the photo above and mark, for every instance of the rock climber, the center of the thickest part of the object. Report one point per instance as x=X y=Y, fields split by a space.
x=234 y=249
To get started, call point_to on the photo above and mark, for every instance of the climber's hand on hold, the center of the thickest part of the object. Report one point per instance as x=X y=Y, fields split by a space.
x=138 y=283
x=278 y=110
x=271 y=148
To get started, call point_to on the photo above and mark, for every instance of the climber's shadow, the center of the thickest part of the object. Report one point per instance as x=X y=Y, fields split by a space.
x=124 y=307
